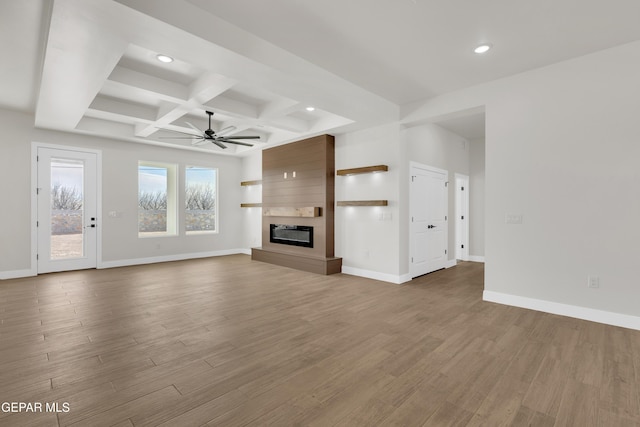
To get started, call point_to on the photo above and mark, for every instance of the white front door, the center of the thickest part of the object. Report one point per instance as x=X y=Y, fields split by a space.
x=428 y=227
x=67 y=210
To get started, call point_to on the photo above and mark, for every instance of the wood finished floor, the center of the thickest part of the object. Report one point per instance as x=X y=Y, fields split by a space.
x=226 y=341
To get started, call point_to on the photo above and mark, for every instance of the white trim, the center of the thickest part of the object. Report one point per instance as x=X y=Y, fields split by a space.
x=461 y=209
x=476 y=258
x=167 y=258
x=417 y=165
x=584 y=313
x=450 y=263
x=34 y=208
x=375 y=275
x=246 y=251
x=34 y=199
x=16 y=274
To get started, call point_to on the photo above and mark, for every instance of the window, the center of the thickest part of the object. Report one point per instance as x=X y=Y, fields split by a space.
x=156 y=199
x=201 y=189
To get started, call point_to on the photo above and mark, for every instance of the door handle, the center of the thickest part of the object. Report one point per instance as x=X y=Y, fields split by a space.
x=90 y=226
x=431 y=226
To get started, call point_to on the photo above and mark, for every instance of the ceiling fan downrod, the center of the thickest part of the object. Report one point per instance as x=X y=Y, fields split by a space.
x=209 y=131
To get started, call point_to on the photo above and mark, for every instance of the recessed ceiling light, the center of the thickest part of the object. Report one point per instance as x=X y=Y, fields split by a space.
x=483 y=48
x=310 y=108
x=164 y=58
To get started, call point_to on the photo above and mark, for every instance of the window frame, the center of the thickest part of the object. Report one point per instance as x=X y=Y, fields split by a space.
x=172 y=219
x=216 y=205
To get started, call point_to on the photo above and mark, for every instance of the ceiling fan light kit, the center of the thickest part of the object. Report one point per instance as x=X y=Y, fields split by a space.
x=211 y=136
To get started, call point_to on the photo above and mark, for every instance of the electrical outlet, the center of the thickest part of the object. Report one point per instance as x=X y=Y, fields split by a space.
x=593 y=282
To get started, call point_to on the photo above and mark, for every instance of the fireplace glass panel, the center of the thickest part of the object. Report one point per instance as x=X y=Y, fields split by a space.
x=296 y=235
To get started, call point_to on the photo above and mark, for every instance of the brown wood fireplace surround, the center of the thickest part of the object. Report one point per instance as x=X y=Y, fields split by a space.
x=298 y=206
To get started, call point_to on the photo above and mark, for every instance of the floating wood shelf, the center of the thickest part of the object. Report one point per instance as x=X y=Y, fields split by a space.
x=365 y=169
x=308 y=212
x=255 y=182
x=250 y=205
x=363 y=203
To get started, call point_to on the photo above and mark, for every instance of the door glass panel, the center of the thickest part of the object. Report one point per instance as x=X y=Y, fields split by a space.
x=67 y=216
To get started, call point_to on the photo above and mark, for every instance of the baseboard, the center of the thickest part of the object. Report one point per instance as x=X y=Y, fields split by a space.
x=376 y=275
x=450 y=263
x=584 y=313
x=476 y=258
x=16 y=274
x=167 y=258
x=246 y=251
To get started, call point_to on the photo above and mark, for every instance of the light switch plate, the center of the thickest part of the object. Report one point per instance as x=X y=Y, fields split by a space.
x=513 y=218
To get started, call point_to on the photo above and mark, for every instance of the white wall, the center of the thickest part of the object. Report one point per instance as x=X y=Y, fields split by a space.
x=120 y=242
x=435 y=146
x=15 y=190
x=370 y=245
x=476 y=198
x=562 y=149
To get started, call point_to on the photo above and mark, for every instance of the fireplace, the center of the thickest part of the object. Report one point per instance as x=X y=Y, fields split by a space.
x=296 y=235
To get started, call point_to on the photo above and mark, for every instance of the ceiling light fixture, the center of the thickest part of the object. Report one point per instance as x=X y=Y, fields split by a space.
x=164 y=58
x=483 y=48
x=310 y=108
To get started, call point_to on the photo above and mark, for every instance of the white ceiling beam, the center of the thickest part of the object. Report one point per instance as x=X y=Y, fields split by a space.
x=327 y=123
x=132 y=92
x=290 y=124
x=257 y=62
x=278 y=107
x=203 y=89
x=150 y=83
x=208 y=86
x=232 y=108
x=105 y=127
x=123 y=108
x=167 y=113
x=69 y=85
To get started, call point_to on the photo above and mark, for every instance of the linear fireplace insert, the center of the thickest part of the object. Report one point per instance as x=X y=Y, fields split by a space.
x=296 y=235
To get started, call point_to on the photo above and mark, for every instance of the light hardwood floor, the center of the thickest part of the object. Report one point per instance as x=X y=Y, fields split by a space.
x=226 y=341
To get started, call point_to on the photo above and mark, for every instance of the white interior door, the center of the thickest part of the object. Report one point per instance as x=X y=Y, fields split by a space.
x=66 y=210
x=462 y=217
x=428 y=229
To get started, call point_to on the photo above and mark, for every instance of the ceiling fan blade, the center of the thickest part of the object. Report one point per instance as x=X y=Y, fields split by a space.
x=226 y=130
x=229 y=141
x=194 y=127
x=184 y=133
x=242 y=137
x=199 y=142
x=219 y=144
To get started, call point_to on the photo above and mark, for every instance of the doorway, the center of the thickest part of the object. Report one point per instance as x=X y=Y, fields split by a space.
x=428 y=222
x=67 y=209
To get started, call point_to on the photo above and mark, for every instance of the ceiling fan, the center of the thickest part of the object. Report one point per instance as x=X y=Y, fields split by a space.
x=210 y=135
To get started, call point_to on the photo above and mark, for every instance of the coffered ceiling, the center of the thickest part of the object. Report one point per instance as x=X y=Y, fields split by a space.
x=90 y=65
